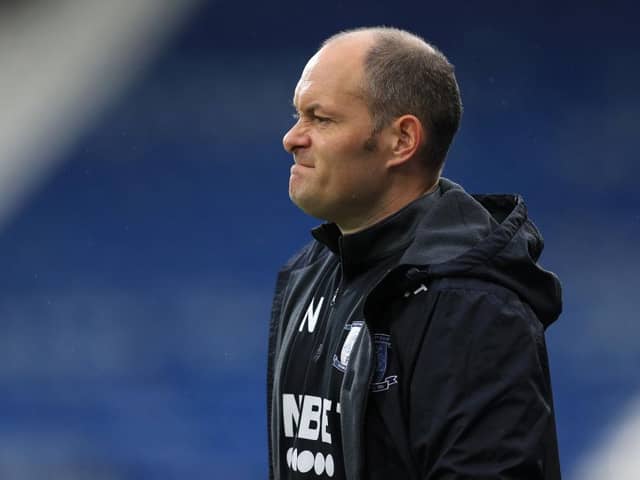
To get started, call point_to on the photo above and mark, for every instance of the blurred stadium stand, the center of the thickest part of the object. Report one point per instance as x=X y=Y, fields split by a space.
x=143 y=215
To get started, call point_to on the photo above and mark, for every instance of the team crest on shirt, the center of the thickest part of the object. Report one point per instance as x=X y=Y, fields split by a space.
x=382 y=344
x=381 y=381
x=340 y=362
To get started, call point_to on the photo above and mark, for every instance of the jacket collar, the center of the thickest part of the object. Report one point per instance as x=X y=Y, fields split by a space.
x=390 y=236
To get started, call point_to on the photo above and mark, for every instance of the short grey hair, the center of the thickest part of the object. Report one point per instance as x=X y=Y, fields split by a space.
x=406 y=75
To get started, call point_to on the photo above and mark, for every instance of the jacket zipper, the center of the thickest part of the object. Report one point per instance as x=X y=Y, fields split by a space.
x=334 y=299
x=332 y=303
x=335 y=295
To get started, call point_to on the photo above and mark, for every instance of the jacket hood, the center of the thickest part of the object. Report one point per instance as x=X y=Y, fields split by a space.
x=488 y=237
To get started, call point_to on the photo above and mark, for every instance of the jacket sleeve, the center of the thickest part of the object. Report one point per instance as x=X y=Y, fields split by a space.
x=480 y=402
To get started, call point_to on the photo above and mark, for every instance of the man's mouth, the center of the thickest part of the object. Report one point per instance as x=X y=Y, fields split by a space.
x=302 y=164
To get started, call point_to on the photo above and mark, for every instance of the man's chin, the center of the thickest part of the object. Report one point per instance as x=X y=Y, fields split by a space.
x=307 y=205
x=304 y=204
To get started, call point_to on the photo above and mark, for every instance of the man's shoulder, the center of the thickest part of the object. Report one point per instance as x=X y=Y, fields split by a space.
x=474 y=284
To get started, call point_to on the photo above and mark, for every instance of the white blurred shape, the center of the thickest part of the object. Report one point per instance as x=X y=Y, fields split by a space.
x=618 y=454
x=61 y=63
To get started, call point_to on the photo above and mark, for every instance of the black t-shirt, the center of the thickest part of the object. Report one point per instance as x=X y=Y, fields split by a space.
x=314 y=368
x=312 y=446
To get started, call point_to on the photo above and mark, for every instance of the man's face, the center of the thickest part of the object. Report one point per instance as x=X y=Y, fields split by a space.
x=338 y=173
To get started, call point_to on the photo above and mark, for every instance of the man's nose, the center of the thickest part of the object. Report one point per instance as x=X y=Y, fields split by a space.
x=295 y=138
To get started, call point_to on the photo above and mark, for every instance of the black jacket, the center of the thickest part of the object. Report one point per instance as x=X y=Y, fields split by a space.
x=466 y=306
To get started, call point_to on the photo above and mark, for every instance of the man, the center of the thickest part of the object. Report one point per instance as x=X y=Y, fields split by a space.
x=407 y=339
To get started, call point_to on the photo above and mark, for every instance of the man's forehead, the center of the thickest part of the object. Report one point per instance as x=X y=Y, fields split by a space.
x=335 y=70
x=316 y=94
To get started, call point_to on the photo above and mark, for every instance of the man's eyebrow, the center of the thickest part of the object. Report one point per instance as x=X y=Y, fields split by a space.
x=309 y=109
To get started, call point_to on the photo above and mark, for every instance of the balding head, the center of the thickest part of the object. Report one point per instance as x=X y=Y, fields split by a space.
x=340 y=62
x=403 y=74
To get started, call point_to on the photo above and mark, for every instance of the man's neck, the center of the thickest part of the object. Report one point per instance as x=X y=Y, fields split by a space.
x=388 y=207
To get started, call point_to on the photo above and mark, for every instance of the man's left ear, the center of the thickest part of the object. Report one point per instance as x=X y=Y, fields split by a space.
x=407 y=136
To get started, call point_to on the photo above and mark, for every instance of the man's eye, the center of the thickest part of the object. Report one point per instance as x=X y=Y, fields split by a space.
x=314 y=118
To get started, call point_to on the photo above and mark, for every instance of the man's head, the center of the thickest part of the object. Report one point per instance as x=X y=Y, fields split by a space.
x=377 y=110
x=406 y=75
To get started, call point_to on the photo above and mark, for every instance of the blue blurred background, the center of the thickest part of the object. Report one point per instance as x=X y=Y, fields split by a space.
x=139 y=249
